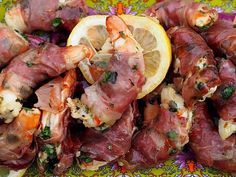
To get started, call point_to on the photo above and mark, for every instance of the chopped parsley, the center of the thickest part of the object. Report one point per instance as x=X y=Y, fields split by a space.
x=172 y=151
x=109 y=76
x=172 y=135
x=56 y=22
x=227 y=92
x=27 y=109
x=200 y=85
x=85 y=158
x=135 y=68
x=205 y=27
x=101 y=64
x=29 y=64
x=122 y=34
x=50 y=150
x=45 y=133
x=173 y=106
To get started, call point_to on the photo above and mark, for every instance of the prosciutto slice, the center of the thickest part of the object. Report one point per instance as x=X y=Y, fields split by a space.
x=225 y=96
x=29 y=15
x=195 y=63
x=207 y=144
x=54 y=123
x=221 y=37
x=16 y=148
x=11 y=45
x=183 y=13
x=159 y=141
x=31 y=68
x=111 y=144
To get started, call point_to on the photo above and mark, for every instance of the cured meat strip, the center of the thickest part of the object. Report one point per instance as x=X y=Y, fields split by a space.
x=163 y=136
x=107 y=99
x=16 y=148
x=28 y=70
x=221 y=37
x=207 y=144
x=195 y=63
x=29 y=15
x=11 y=45
x=110 y=145
x=224 y=98
x=183 y=13
x=52 y=133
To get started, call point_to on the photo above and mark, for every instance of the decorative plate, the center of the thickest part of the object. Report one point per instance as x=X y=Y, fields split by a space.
x=184 y=165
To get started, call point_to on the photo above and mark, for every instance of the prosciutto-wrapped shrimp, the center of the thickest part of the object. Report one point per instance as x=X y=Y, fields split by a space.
x=163 y=136
x=28 y=70
x=224 y=98
x=16 y=148
x=195 y=63
x=107 y=99
x=54 y=122
x=183 y=13
x=29 y=15
x=221 y=37
x=11 y=45
x=207 y=144
x=99 y=148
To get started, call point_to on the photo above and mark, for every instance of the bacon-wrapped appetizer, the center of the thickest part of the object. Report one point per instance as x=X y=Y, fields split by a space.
x=54 y=122
x=11 y=45
x=107 y=99
x=100 y=148
x=29 y=15
x=183 y=13
x=225 y=98
x=195 y=63
x=207 y=144
x=16 y=148
x=221 y=37
x=28 y=70
x=164 y=136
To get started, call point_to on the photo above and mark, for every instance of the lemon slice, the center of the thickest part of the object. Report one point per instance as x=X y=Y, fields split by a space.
x=91 y=31
x=11 y=173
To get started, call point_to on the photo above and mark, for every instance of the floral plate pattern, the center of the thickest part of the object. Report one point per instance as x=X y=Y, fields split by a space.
x=184 y=165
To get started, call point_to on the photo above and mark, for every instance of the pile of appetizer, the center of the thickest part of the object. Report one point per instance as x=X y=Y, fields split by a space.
x=97 y=89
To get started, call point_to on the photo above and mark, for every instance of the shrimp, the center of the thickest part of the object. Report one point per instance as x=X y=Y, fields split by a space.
x=16 y=149
x=11 y=45
x=105 y=101
x=207 y=144
x=28 y=70
x=183 y=13
x=163 y=136
x=55 y=118
x=27 y=16
x=195 y=64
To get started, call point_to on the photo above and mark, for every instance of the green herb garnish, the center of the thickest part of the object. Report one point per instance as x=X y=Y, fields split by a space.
x=172 y=135
x=27 y=109
x=200 y=85
x=50 y=150
x=45 y=133
x=122 y=34
x=135 y=68
x=227 y=92
x=29 y=64
x=173 y=106
x=172 y=151
x=101 y=64
x=85 y=158
x=205 y=27
x=56 y=22
x=110 y=76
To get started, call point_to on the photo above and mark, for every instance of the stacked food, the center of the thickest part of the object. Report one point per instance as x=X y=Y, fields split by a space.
x=113 y=94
